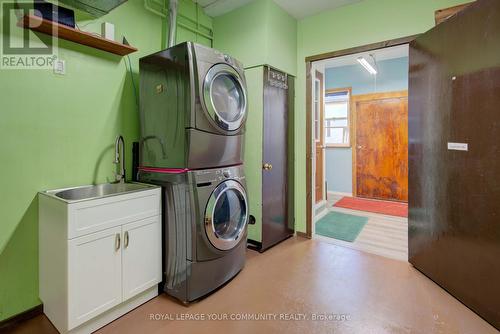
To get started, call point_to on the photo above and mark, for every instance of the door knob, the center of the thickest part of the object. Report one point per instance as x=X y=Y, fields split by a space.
x=267 y=166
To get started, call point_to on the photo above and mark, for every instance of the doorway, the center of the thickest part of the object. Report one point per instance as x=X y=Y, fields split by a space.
x=360 y=130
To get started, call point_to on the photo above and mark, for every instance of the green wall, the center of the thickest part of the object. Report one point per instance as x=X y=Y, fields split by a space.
x=253 y=148
x=259 y=33
x=193 y=24
x=242 y=33
x=59 y=131
x=362 y=23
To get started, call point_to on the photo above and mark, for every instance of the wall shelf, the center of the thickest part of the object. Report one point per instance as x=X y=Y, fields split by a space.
x=39 y=24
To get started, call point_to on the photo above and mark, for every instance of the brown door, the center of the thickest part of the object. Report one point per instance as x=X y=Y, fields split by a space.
x=381 y=162
x=454 y=157
x=319 y=138
x=276 y=225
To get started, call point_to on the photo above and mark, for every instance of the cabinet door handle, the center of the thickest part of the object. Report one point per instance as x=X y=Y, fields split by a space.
x=125 y=241
x=117 y=241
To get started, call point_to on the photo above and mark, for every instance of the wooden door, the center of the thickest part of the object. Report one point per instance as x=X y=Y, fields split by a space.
x=141 y=256
x=276 y=225
x=95 y=275
x=319 y=136
x=381 y=146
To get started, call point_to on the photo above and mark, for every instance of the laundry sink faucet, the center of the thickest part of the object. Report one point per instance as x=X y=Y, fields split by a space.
x=120 y=158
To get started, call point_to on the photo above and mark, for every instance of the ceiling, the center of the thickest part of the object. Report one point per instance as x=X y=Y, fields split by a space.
x=297 y=8
x=381 y=54
x=219 y=7
x=302 y=8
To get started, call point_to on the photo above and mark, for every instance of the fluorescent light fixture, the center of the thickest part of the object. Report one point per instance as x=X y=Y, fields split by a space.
x=367 y=65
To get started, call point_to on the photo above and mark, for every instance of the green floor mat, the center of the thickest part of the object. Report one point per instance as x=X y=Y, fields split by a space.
x=340 y=226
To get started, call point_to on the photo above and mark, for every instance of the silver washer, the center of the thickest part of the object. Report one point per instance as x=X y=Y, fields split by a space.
x=216 y=240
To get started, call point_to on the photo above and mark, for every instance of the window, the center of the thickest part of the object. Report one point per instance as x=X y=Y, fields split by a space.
x=337 y=118
x=317 y=125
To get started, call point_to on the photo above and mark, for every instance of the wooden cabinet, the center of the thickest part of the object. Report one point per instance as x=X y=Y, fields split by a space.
x=268 y=156
x=99 y=258
x=444 y=14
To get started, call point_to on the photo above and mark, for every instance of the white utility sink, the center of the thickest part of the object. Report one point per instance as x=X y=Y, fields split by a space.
x=96 y=191
x=99 y=252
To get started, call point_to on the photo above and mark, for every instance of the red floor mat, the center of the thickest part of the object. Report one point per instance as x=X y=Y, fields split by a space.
x=383 y=207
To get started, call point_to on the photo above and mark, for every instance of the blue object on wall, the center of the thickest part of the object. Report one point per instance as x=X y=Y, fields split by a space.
x=392 y=76
x=338 y=171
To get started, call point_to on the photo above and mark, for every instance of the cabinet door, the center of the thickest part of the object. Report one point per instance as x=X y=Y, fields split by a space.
x=141 y=257
x=94 y=277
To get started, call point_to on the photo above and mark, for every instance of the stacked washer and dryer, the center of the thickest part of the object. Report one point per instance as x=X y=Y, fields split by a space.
x=193 y=111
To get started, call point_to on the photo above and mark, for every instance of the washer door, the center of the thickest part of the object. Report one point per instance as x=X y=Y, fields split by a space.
x=226 y=215
x=225 y=97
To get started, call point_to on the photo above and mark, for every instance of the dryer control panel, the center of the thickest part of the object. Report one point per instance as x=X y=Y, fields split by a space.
x=218 y=175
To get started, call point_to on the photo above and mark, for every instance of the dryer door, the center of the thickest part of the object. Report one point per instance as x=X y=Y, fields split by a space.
x=226 y=215
x=225 y=97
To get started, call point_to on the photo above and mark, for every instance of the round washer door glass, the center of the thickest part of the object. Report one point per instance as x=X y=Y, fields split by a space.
x=225 y=97
x=226 y=215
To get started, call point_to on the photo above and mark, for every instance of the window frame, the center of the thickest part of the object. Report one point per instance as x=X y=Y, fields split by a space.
x=349 y=117
x=317 y=117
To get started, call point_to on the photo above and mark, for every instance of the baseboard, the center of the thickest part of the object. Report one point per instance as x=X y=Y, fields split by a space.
x=320 y=215
x=339 y=193
x=302 y=235
x=18 y=318
x=320 y=204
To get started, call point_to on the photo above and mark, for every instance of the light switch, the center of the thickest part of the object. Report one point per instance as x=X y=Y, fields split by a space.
x=59 y=66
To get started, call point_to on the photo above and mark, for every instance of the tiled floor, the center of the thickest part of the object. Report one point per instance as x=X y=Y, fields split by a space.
x=382 y=235
x=309 y=277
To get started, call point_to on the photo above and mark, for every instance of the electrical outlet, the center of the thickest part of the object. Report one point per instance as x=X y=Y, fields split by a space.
x=59 y=67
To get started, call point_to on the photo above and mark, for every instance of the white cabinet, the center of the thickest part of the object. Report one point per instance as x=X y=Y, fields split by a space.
x=95 y=274
x=99 y=258
x=141 y=260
